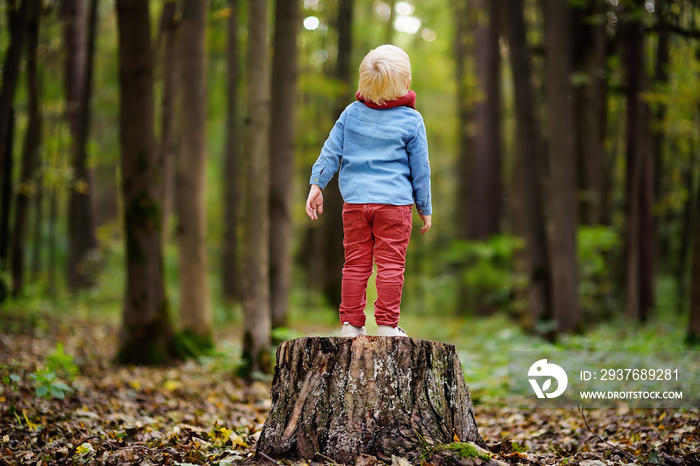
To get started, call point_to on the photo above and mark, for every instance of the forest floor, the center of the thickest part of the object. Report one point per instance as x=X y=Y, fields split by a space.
x=200 y=413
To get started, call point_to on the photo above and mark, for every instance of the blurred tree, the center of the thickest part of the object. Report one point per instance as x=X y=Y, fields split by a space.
x=559 y=105
x=195 y=301
x=283 y=112
x=332 y=221
x=589 y=46
x=233 y=166
x=487 y=191
x=256 y=291
x=167 y=37
x=464 y=49
x=639 y=228
x=32 y=141
x=146 y=334
x=694 y=321
x=529 y=166
x=18 y=14
x=82 y=242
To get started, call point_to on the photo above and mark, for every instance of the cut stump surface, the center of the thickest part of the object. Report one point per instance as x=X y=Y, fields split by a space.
x=340 y=398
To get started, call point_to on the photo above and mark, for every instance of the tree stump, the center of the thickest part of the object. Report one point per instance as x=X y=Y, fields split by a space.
x=340 y=398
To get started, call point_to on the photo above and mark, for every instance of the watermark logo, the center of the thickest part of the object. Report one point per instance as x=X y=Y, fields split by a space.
x=542 y=368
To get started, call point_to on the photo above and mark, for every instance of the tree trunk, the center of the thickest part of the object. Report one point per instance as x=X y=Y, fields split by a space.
x=332 y=226
x=6 y=190
x=233 y=167
x=17 y=20
x=530 y=166
x=256 y=302
x=487 y=198
x=195 y=305
x=31 y=147
x=82 y=241
x=589 y=34
x=639 y=232
x=464 y=49
x=694 y=322
x=561 y=139
x=168 y=34
x=284 y=94
x=146 y=333
x=340 y=398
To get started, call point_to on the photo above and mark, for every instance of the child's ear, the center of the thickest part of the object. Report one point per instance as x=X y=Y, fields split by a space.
x=408 y=83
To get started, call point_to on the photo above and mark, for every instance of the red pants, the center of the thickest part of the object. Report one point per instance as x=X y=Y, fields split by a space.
x=374 y=232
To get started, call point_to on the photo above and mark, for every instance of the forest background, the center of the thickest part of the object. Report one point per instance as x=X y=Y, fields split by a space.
x=155 y=160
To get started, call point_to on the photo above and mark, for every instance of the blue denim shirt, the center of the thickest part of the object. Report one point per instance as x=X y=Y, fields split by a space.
x=382 y=155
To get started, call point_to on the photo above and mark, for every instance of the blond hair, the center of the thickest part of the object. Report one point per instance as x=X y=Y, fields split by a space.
x=384 y=74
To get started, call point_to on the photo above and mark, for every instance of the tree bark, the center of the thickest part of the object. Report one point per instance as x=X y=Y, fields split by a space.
x=82 y=241
x=339 y=398
x=464 y=49
x=233 y=166
x=284 y=94
x=332 y=226
x=589 y=34
x=561 y=139
x=487 y=193
x=17 y=19
x=639 y=230
x=166 y=149
x=195 y=303
x=694 y=321
x=530 y=166
x=31 y=147
x=6 y=190
x=256 y=301
x=146 y=333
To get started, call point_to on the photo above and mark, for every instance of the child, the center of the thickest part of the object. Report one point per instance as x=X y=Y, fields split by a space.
x=380 y=146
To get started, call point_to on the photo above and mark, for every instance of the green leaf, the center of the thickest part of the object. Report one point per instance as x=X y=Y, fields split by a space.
x=60 y=385
x=41 y=391
x=15 y=377
x=57 y=393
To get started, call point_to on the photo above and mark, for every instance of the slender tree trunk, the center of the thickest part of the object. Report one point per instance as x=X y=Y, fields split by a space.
x=661 y=79
x=529 y=165
x=146 y=333
x=589 y=25
x=6 y=205
x=639 y=190
x=82 y=241
x=31 y=146
x=464 y=49
x=487 y=199
x=694 y=322
x=256 y=302
x=332 y=226
x=166 y=150
x=284 y=94
x=561 y=138
x=195 y=305
x=17 y=19
x=231 y=263
x=37 y=224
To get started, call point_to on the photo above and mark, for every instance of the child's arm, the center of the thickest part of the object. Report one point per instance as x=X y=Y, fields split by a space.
x=419 y=164
x=314 y=203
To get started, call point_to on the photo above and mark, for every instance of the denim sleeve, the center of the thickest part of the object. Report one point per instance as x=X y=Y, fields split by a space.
x=419 y=164
x=329 y=161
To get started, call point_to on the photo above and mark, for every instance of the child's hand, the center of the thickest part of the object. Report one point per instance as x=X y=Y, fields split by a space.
x=314 y=202
x=426 y=223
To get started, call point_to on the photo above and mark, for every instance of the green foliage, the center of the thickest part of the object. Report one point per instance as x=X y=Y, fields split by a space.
x=46 y=385
x=62 y=363
x=489 y=275
x=597 y=245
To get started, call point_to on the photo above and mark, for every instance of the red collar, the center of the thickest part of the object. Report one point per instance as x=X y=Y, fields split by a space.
x=408 y=100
